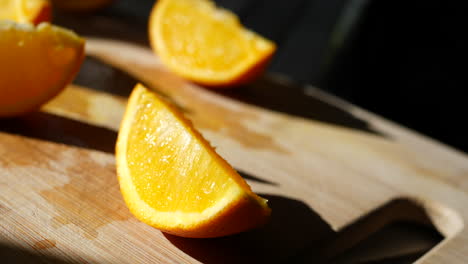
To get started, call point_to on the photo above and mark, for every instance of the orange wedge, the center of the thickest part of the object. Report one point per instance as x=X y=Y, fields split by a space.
x=36 y=64
x=206 y=44
x=172 y=179
x=26 y=11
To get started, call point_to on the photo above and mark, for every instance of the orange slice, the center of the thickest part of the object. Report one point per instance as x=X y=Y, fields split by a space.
x=206 y=44
x=26 y=11
x=36 y=64
x=172 y=179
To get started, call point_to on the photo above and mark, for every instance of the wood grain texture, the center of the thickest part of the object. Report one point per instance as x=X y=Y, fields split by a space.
x=60 y=194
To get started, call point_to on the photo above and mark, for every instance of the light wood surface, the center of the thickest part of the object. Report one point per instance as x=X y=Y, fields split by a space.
x=60 y=197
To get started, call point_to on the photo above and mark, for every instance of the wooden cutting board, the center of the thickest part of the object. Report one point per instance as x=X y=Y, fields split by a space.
x=60 y=198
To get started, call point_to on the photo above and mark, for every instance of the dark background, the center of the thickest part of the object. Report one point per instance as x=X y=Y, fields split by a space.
x=403 y=60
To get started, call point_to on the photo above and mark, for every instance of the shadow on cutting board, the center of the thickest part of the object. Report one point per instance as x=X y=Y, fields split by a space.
x=267 y=92
x=292 y=225
x=285 y=96
x=58 y=129
x=248 y=176
x=398 y=232
x=15 y=255
x=49 y=127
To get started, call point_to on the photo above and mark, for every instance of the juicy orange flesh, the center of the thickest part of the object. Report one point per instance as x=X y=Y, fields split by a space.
x=7 y=9
x=34 y=61
x=21 y=10
x=200 y=36
x=170 y=168
x=31 y=7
